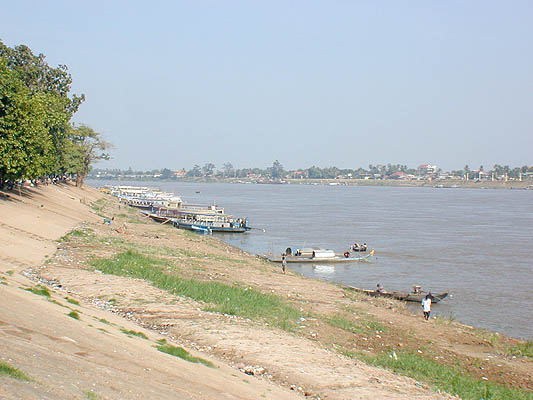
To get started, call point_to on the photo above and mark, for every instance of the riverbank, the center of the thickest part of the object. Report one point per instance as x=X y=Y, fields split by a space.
x=225 y=306
x=436 y=183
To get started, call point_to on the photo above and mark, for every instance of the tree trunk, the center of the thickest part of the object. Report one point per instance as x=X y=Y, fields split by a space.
x=80 y=179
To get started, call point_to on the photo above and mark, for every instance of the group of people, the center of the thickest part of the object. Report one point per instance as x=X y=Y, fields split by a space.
x=359 y=247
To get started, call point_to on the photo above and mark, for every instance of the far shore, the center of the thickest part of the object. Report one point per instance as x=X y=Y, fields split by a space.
x=445 y=184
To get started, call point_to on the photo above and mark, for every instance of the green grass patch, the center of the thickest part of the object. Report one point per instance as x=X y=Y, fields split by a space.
x=104 y=321
x=162 y=341
x=39 y=290
x=72 y=301
x=445 y=378
x=184 y=354
x=223 y=298
x=10 y=272
x=365 y=327
x=57 y=302
x=74 y=314
x=133 y=333
x=8 y=370
x=90 y=395
x=76 y=233
x=522 y=349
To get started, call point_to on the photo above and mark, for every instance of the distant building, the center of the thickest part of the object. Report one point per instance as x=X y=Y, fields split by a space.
x=180 y=173
x=399 y=175
x=427 y=169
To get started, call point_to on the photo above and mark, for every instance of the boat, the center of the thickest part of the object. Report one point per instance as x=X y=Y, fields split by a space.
x=228 y=224
x=314 y=256
x=403 y=296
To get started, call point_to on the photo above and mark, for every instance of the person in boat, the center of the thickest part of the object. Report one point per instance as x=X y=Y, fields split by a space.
x=364 y=247
x=417 y=289
x=379 y=288
x=426 y=306
x=346 y=254
x=355 y=247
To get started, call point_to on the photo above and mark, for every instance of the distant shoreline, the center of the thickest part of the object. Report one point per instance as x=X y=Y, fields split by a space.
x=444 y=184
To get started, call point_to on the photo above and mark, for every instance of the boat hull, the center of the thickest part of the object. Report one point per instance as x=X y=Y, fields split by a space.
x=321 y=260
x=411 y=297
x=196 y=226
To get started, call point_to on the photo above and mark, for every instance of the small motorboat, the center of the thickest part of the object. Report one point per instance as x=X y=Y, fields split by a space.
x=315 y=255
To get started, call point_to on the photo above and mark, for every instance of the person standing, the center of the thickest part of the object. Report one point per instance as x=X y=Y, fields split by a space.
x=426 y=306
x=283 y=262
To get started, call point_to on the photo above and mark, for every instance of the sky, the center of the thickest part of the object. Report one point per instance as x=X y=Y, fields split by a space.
x=328 y=83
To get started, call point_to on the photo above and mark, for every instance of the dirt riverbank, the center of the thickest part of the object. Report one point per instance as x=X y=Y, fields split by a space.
x=103 y=354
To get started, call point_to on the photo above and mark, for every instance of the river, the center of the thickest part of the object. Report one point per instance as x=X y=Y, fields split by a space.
x=475 y=243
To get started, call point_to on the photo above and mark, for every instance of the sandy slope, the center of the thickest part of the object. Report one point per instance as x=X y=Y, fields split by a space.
x=67 y=358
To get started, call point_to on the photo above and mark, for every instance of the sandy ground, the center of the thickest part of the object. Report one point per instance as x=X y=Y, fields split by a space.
x=94 y=358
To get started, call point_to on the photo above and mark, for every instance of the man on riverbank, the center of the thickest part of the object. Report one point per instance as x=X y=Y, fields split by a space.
x=426 y=306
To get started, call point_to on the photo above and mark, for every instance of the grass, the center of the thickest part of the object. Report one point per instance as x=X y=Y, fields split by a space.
x=39 y=290
x=133 y=333
x=10 y=272
x=57 y=302
x=8 y=370
x=76 y=233
x=90 y=395
x=367 y=327
x=522 y=349
x=72 y=301
x=444 y=378
x=184 y=354
x=223 y=298
x=74 y=314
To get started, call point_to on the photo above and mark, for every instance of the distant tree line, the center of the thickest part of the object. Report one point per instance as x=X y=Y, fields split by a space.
x=276 y=171
x=37 y=137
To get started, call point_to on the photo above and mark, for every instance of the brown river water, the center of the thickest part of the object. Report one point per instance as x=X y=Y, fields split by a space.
x=475 y=243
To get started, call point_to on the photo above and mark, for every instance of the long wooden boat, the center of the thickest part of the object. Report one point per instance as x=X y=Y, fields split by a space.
x=202 y=222
x=316 y=258
x=208 y=226
x=404 y=296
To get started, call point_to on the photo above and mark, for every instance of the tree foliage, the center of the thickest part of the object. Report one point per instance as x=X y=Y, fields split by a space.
x=37 y=137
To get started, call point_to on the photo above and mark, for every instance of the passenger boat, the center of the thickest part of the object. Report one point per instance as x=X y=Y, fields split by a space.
x=404 y=296
x=214 y=223
x=325 y=256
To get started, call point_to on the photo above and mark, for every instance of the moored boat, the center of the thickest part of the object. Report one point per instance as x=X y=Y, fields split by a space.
x=404 y=296
x=318 y=256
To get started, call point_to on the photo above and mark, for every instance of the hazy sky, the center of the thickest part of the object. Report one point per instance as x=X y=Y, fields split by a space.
x=344 y=83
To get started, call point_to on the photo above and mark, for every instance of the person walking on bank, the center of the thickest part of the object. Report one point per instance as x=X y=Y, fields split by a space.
x=426 y=306
x=283 y=262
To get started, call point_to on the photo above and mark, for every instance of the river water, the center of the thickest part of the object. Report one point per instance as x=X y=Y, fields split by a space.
x=478 y=244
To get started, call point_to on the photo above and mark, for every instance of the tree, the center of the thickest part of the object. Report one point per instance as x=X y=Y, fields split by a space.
x=277 y=170
x=195 y=171
x=26 y=148
x=166 y=173
x=86 y=147
x=228 y=169
x=208 y=169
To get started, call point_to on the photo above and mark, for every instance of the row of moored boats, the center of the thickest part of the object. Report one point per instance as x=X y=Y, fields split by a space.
x=166 y=207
